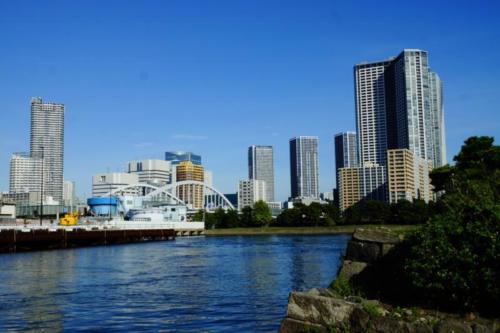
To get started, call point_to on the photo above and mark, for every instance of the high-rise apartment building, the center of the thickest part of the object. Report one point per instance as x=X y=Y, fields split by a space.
x=408 y=108
x=177 y=157
x=408 y=176
x=250 y=191
x=153 y=172
x=438 y=137
x=47 y=142
x=346 y=152
x=191 y=194
x=25 y=173
x=261 y=167
x=371 y=118
x=304 y=167
x=399 y=105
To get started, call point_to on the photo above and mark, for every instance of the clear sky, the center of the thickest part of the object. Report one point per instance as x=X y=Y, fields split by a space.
x=142 y=77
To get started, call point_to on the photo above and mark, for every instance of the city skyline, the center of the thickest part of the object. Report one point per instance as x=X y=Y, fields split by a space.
x=196 y=103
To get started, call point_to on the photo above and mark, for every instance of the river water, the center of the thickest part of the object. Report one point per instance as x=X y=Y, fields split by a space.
x=196 y=284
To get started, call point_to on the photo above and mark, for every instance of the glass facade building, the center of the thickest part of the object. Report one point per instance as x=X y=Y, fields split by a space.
x=180 y=156
x=304 y=172
x=261 y=167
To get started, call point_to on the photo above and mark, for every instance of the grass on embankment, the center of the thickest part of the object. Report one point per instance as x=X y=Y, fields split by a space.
x=338 y=229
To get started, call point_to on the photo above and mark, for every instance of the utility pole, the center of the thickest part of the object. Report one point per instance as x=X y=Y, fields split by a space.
x=41 y=188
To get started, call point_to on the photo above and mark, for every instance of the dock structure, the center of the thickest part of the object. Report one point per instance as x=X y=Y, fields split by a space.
x=24 y=239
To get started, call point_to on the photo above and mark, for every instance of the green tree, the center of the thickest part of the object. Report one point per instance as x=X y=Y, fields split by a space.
x=261 y=214
x=288 y=218
x=453 y=261
x=231 y=219
x=246 y=217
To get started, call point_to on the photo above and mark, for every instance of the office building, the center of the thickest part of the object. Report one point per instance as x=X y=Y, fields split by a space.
x=304 y=167
x=250 y=191
x=47 y=142
x=104 y=183
x=408 y=176
x=192 y=194
x=180 y=156
x=261 y=167
x=25 y=173
x=346 y=152
x=152 y=172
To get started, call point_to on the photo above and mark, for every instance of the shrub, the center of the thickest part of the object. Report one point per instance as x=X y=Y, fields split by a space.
x=453 y=261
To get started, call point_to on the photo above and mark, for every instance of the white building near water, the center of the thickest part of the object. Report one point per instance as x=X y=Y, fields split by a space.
x=103 y=183
x=25 y=173
x=250 y=191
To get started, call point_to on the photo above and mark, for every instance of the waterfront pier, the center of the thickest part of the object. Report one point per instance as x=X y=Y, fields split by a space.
x=24 y=239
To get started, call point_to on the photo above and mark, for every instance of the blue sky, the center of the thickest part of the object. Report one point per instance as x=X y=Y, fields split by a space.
x=142 y=77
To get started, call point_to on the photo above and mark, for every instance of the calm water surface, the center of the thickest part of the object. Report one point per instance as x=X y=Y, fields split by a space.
x=198 y=284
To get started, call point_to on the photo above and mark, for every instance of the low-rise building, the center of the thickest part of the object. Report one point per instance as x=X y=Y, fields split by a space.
x=103 y=183
x=408 y=176
x=361 y=183
x=152 y=172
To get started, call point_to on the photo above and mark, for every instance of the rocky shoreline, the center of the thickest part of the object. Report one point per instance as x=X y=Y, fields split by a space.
x=339 y=309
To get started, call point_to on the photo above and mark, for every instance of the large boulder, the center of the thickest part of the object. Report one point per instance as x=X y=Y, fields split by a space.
x=351 y=268
x=363 y=251
x=326 y=311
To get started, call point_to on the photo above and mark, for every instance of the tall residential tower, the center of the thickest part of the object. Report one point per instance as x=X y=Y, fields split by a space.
x=304 y=167
x=47 y=142
x=261 y=167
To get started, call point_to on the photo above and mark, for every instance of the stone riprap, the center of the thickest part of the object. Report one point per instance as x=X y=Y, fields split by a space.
x=324 y=310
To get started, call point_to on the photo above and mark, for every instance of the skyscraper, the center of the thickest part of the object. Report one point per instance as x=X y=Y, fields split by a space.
x=408 y=108
x=304 y=167
x=438 y=137
x=47 y=142
x=371 y=122
x=399 y=106
x=261 y=167
x=346 y=152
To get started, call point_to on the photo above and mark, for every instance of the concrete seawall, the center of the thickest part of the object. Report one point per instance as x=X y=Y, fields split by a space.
x=15 y=240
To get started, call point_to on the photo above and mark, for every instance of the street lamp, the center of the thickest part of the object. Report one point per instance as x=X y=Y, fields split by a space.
x=41 y=189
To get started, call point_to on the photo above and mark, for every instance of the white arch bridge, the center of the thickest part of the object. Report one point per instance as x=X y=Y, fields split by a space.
x=194 y=194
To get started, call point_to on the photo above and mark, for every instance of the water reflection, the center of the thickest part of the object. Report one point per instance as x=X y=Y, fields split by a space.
x=192 y=284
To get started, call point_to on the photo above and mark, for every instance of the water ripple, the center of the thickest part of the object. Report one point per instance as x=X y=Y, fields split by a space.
x=212 y=284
